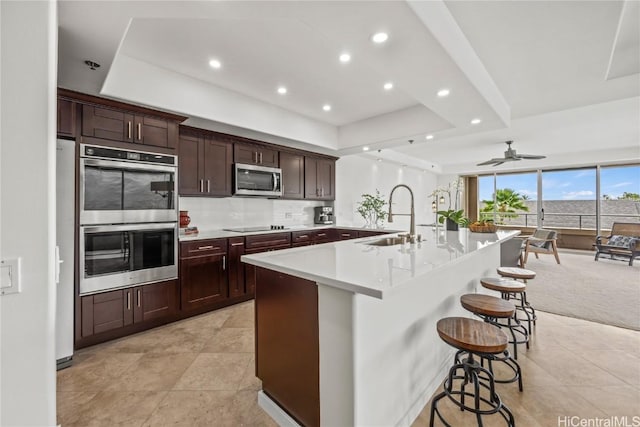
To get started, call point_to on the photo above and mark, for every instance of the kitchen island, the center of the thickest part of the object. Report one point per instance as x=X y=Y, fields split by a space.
x=345 y=331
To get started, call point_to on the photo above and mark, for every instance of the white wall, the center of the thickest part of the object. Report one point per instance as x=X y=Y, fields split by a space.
x=28 y=37
x=357 y=175
x=218 y=213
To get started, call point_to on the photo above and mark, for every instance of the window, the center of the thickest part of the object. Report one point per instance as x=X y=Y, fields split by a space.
x=619 y=195
x=569 y=199
x=512 y=202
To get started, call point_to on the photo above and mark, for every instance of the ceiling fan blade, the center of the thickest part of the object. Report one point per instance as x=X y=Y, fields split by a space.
x=531 y=156
x=488 y=162
x=498 y=164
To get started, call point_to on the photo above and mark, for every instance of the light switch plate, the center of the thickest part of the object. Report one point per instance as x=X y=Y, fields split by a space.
x=10 y=276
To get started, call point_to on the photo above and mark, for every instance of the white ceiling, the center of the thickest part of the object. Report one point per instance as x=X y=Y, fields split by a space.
x=560 y=77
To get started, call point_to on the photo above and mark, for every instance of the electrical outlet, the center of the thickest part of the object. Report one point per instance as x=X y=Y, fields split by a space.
x=288 y=215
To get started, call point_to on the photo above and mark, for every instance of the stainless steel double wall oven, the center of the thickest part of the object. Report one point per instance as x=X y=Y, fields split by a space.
x=128 y=218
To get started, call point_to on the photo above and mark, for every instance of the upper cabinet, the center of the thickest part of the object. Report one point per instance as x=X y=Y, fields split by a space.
x=124 y=126
x=254 y=154
x=204 y=165
x=66 y=117
x=319 y=178
x=292 y=166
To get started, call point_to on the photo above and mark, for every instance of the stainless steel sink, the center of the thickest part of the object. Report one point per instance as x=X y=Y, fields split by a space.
x=387 y=241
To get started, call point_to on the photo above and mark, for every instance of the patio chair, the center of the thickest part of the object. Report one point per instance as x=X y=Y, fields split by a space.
x=541 y=242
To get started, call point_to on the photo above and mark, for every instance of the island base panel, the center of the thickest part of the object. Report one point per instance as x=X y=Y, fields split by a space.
x=287 y=348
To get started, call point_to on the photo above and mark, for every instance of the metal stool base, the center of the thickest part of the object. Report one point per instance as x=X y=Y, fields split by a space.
x=475 y=374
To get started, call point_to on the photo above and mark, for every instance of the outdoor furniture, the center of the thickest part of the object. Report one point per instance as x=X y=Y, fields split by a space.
x=543 y=241
x=623 y=242
x=511 y=254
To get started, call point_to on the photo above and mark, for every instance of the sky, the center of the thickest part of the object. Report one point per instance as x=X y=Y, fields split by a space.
x=574 y=184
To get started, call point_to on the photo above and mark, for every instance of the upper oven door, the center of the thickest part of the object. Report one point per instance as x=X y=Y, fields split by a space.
x=254 y=180
x=117 y=192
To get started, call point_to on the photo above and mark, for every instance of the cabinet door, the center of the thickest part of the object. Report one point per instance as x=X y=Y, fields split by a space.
x=236 y=268
x=268 y=157
x=105 y=311
x=292 y=166
x=217 y=167
x=311 y=190
x=153 y=131
x=190 y=165
x=347 y=234
x=326 y=177
x=203 y=281
x=105 y=123
x=155 y=301
x=245 y=153
x=66 y=117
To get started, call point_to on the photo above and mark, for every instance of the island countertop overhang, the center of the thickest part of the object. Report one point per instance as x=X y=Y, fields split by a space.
x=376 y=271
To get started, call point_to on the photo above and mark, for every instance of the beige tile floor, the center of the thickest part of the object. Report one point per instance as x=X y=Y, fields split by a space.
x=200 y=372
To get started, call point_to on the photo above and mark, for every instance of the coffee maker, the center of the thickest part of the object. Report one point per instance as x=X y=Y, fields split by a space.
x=323 y=215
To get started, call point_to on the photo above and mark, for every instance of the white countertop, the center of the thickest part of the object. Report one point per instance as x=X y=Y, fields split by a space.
x=377 y=270
x=221 y=234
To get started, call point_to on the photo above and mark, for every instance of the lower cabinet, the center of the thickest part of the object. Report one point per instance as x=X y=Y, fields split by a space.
x=235 y=249
x=203 y=273
x=262 y=243
x=113 y=310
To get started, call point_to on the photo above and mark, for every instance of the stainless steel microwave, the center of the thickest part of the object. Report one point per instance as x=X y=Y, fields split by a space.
x=251 y=180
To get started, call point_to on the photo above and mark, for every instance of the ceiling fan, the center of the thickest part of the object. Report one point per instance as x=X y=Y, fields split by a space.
x=510 y=156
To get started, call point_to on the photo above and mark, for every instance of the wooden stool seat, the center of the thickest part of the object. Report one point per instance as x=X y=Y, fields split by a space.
x=486 y=305
x=501 y=284
x=516 y=273
x=472 y=335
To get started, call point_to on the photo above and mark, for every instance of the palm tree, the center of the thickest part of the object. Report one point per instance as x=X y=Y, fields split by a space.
x=507 y=202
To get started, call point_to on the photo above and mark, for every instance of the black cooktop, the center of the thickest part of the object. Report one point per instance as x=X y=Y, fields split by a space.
x=258 y=228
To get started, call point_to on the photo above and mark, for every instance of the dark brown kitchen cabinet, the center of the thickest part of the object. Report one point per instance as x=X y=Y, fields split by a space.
x=124 y=126
x=235 y=249
x=262 y=243
x=292 y=166
x=319 y=178
x=204 y=165
x=115 y=310
x=254 y=154
x=345 y=234
x=313 y=237
x=66 y=118
x=203 y=273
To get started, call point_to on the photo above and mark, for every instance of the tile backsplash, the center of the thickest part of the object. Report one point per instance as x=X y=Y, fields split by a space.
x=219 y=213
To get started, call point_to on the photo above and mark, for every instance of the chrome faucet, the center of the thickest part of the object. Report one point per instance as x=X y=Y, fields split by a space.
x=412 y=231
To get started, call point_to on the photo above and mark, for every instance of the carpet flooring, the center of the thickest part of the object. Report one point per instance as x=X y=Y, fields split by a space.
x=606 y=291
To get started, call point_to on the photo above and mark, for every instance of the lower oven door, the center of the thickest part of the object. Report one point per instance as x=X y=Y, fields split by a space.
x=120 y=256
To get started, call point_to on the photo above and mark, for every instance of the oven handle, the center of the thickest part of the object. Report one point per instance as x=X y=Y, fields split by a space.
x=128 y=165
x=129 y=227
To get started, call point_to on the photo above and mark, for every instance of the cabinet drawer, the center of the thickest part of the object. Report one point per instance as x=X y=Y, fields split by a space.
x=347 y=234
x=203 y=247
x=301 y=236
x=266 y=241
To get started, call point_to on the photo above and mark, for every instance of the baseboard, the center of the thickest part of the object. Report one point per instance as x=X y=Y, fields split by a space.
x=275 y=411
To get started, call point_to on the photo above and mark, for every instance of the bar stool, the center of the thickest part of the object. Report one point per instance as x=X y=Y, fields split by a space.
x=482 y=340
x=500 y=313
x=523 y=274
x=509 y=289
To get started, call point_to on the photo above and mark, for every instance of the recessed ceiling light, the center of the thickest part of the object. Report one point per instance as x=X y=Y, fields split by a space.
x=282 y=90
x=326 y=107
x=428 y=137
x=475 y=121
x=214 y=63
x=345 y=57
x=443 y=92
x=379 y=159
x=388 y=86
x=365 y=148
x=380 y=37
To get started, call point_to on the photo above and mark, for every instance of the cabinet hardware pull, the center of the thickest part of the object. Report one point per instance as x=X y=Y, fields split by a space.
x=201 y=248
x=260 y=158
x=208 y=186
x=128 y=300
x=322 y=192
x=224 y=262
x=322 y=234
x=139 y=131
x=129 y=130
x=202 y=185
x=138 y=302
x=345 y=235
x=237 y=244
